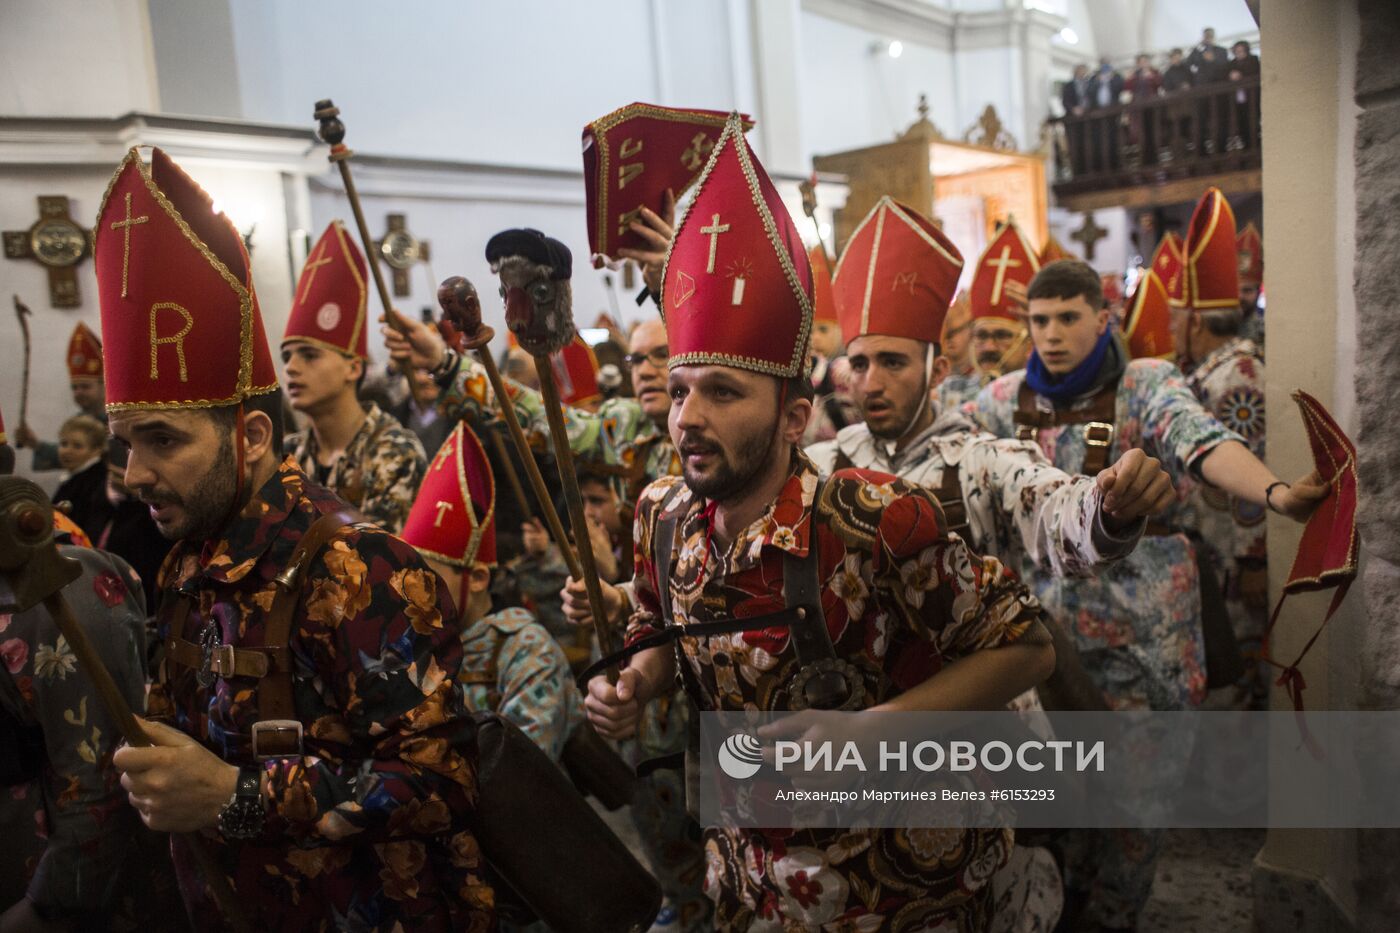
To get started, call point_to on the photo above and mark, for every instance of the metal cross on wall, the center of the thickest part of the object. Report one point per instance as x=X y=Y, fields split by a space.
x=1089 y=235
x=56 y=242
x=401 y=250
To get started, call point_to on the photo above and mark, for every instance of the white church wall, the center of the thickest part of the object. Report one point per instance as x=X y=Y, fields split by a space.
x=855 y=94
x=477 y=82
x=1180 y=22
x=76 y=58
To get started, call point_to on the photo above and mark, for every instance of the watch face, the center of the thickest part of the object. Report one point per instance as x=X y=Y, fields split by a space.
x=400 y=249
x=58 y=243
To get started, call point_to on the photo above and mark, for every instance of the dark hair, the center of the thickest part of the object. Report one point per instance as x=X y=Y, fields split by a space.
x=269 y=403
x=1176 y=52
x=1067 y=278
x=1240 y=43
x=797 y=387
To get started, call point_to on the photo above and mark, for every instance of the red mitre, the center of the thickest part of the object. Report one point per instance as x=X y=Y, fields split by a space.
x=1008 y=258
x=631 y=156
x=1147 y=324
x=1169 y=262
x=823 y=302
x=576 y=372
x=329 y=306
x=1328 y=552
x=180 y=320
x=1052 y=251
x=1212 y=259
x=454 y=517
x=897 y=275
x=737 y=289
x=84 y=354
x=1250 y=246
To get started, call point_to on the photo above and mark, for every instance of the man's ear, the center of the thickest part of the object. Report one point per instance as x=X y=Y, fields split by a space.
x=257 y=435
x=479 y=578
x=941 y=367
x=357 y=368
x=1104 y=318
x=795 y=418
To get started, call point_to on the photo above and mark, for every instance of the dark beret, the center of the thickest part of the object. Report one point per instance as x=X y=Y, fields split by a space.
x=534 y=246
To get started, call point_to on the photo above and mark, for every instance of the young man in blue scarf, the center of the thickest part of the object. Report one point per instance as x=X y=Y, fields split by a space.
x=1137 y=623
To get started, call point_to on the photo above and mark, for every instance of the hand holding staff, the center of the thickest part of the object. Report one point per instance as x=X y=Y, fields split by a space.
x=33 y=571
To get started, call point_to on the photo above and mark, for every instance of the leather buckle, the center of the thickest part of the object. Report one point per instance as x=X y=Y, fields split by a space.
x=222 y=660
x=276 y=732
x=1105 y=429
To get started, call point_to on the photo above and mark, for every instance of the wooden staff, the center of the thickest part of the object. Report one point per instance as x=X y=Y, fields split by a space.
x=332 y=132
x=462 y=309
x=573 y=499
x=22 y=312
x=808 y=188
x=36 y=572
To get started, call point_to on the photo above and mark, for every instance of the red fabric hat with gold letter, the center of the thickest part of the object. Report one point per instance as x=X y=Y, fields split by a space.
x=180 y=320
x=1169 y=262
x=576 y=372
x=1053 y=250
x=1147 y=324
x=1212 y=259
x=1008 y=258
x=631 y=156
x=329 y=306
x=823 y=301
x=1250 y=246
x=454 y=517
x=737 y=289
x=897 y=275
x=84 y=354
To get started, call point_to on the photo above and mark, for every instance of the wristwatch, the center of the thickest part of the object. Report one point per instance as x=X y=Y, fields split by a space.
x=242 y=817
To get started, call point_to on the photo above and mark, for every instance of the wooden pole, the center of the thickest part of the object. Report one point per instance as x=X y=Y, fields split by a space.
x=332 y=131
x=22 y=312
x=608 y=640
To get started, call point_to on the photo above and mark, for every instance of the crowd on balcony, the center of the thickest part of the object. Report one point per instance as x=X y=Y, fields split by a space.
x=1207 y=128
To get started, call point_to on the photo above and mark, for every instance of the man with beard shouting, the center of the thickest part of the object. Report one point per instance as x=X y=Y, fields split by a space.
x=716 y=545
x=316 y=740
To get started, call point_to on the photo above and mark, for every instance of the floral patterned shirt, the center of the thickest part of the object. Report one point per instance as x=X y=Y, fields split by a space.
x=901 y=598
x=367 y=829
x=1137 y=622
x=1230 y=384
x=512 y=666
x=959 y=389
x=380 y=471
x=74 y=846
x=1020 y=507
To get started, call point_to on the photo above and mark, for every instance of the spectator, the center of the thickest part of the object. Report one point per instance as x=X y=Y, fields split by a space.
x=1106 y=86
x=1177 y=76
x=419 y=412
x=1144 y=84
x=1244 y=64
x=1104 y=91
x=1205 y=50
x=1075 y=94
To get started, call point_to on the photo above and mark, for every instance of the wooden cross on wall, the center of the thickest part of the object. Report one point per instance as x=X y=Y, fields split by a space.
x=1089 y=235
x=56 y=242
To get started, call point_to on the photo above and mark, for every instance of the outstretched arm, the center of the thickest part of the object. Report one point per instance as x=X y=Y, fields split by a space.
x=1231 y=467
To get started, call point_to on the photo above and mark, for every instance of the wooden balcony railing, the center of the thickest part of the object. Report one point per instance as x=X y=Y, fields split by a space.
x=1202 y=131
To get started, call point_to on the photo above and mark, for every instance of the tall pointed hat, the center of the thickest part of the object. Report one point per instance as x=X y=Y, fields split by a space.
x=1250 y=246
x=84 y=354
x=1008 y=258
x=737 y=288
x=328 y=308
x=453 y=519
x=1212 y=258
x=180 y=320
x=823 y=302
x=897 y=275
x=1169 y=262
x=1147 y=322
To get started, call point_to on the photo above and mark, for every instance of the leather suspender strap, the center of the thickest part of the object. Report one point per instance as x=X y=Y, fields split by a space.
x=277 y=733
x=1097 y=418
x=950 y=497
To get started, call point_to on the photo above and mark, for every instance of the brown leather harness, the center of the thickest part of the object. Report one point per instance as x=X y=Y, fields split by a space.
x=1097 y=418
x=277 y=733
